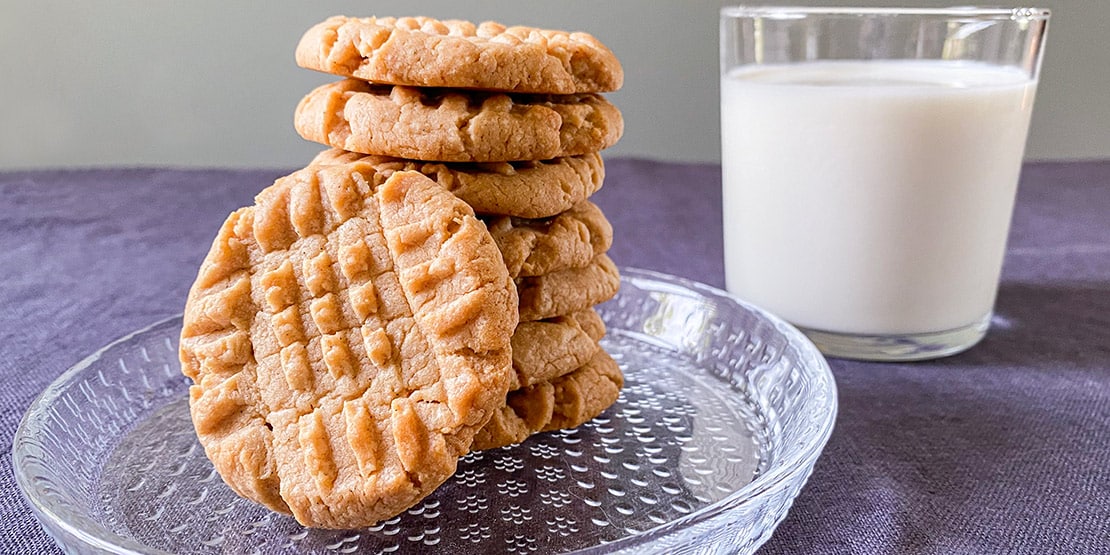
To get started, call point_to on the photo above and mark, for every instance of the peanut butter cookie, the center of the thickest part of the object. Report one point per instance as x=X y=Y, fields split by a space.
x=424 y=52
x=564 y=402
x=533 y=247
x=546 y=349
x=450 y=125
x=347 y=338
x=527 y=189
x=567 y=291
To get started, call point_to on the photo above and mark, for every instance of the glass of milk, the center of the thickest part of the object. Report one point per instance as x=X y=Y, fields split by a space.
x=870 y=159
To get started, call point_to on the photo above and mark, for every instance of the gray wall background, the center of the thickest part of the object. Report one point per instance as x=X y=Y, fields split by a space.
x=213 y=83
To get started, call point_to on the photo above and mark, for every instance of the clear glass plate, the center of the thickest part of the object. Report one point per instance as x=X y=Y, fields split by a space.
x=724 y=411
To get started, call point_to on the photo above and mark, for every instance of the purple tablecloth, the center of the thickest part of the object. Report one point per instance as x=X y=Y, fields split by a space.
x=1003 y=449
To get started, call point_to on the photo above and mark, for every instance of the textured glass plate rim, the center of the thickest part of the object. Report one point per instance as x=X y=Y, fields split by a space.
x=779 y=471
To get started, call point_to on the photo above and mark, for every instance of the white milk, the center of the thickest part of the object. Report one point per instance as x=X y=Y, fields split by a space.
x=871 y=197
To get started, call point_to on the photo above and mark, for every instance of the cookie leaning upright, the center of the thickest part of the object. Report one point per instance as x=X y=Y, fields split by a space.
x=347 y=337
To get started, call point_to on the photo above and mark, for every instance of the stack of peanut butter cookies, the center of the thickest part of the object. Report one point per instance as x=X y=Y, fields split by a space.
x=424 y=287
x=510 y=119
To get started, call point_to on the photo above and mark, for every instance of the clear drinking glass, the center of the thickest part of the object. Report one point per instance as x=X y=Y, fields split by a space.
x=870 y=160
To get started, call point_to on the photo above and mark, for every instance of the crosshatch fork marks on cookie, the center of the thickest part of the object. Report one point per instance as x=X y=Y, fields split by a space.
x=347 y=341
x=426 y=52
x=456 y=126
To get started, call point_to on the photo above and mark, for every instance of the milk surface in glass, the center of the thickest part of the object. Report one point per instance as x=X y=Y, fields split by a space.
x=871 y=197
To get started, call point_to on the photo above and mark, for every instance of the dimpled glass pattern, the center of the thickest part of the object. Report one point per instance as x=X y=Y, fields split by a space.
x=724 y=411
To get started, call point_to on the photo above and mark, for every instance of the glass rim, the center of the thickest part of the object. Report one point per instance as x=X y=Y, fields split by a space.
x=986 y=13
